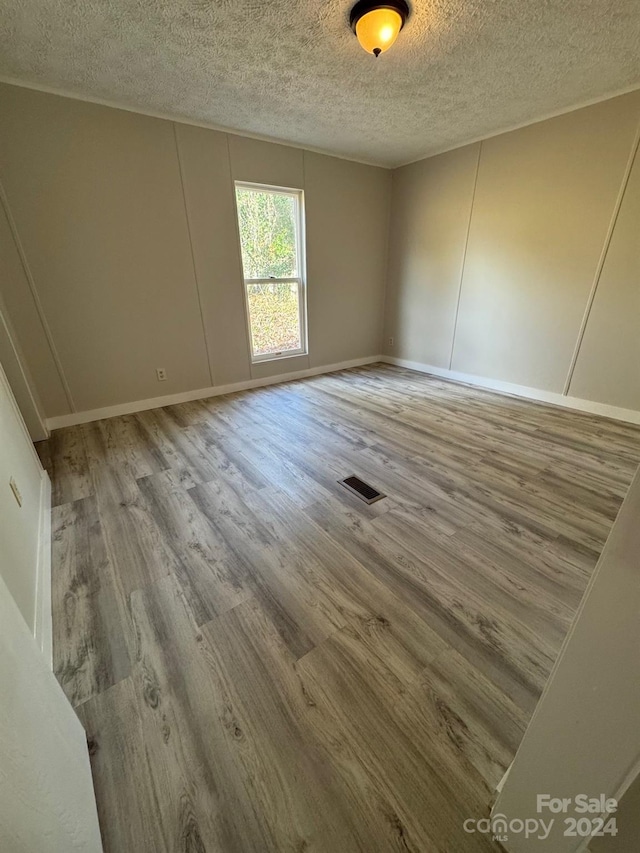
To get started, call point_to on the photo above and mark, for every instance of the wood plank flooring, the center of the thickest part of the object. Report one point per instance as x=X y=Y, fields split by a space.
x=263 y=662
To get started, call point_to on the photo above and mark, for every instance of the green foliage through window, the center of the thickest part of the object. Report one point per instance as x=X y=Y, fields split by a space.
x=267 y=233
x=275 y=317
x=268 y=222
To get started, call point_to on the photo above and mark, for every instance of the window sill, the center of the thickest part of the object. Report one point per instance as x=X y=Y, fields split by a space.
x=279 y=357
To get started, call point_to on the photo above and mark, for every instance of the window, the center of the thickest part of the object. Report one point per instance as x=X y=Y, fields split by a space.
x=272 y=242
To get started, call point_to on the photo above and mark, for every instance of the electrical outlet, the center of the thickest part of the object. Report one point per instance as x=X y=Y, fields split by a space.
x=161 y=373
x=16 y=491
x=390 y=342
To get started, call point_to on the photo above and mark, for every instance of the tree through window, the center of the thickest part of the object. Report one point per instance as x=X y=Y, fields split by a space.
x=271 y=240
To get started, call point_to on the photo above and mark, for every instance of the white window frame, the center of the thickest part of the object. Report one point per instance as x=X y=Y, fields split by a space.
x=300 y=279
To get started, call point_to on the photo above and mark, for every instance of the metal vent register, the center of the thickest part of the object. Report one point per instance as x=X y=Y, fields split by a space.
x=363 y=490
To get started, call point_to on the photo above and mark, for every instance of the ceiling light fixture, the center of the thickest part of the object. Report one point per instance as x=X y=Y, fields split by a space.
x=377 y=25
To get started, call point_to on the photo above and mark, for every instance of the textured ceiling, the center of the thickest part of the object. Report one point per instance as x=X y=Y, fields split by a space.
x=460 y=70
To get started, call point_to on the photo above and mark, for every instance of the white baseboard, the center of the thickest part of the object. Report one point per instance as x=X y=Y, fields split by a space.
x=551 y=397
x=43 y=627
x=199 y=394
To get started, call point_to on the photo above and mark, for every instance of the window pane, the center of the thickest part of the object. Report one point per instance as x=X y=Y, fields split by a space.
x=275 y=317
x=267 y=233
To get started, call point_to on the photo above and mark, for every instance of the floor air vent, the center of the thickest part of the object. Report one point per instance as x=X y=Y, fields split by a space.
x=363 y=490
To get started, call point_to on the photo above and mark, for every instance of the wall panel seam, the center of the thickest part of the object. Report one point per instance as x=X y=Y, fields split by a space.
x=602 y=259
x=36 y=298
x=387 y=268
x=464 y=256
x=237 y=233
x=191 y=251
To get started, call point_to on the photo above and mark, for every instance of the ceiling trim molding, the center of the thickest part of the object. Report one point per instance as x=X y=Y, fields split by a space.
x=555 y=114
x=119 y=105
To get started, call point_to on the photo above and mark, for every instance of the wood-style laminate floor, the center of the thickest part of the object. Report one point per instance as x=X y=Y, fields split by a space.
x=263 y=662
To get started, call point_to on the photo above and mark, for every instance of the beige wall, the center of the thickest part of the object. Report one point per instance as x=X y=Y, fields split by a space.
x=430 y=214
x=500 y=290
x=120 y=254
x=608 y=367
x=628 y=825
x=347 y=230
x=130 y=255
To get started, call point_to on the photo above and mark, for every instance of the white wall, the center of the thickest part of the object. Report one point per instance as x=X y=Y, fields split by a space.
x=123 y=254
x=21 y=558
x=496 y=248
x=20 y=380
x=46 y=792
